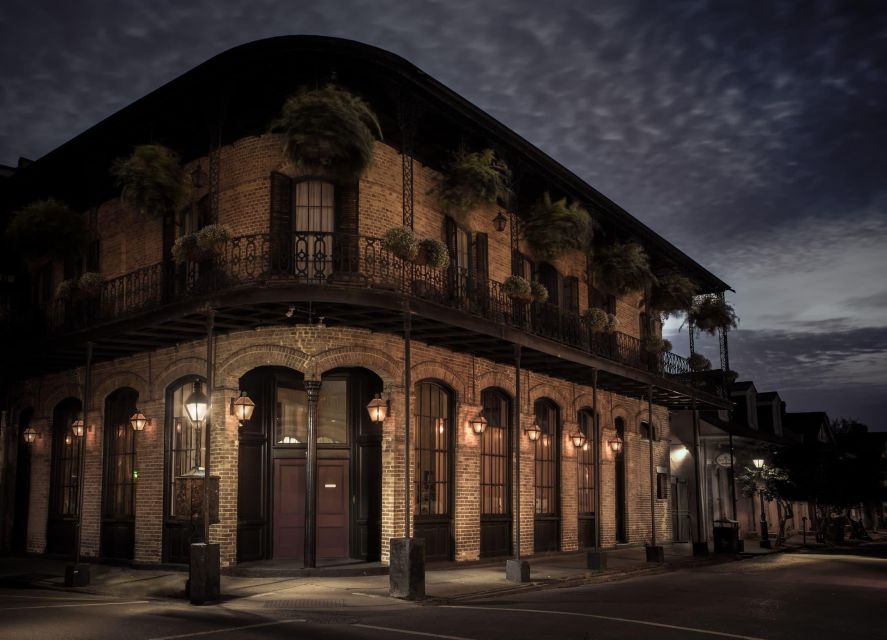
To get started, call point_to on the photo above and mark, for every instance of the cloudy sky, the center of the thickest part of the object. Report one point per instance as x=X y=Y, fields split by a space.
x=751 y=134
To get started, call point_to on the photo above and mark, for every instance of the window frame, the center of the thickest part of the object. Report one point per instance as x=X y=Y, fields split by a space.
x=499 y=460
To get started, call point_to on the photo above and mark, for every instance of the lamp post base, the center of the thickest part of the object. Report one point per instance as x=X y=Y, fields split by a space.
x=596 y=561
x=517 y=570
x=76 y=575
x=204 y=581
x=406 y=568
x=655 y=553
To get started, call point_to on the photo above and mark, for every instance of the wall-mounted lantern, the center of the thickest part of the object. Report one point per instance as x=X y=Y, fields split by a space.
x=138 y=421
x=578 y=439
x=242 y=408
x=500 y=221
x=378 y=409
x=196 y=403
x=533 y=431
x=31 y=434
x=78 y=427
x=478 y=424
x=616 y=445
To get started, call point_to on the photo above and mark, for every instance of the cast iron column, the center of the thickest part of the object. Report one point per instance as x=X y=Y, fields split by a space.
x=652 y=467
x=700 y=547
x=407 y=389
x=210 y=326
x=312 y=390
x=732 y=480
x=81 y=463
x=596 y=452
x=517 y=441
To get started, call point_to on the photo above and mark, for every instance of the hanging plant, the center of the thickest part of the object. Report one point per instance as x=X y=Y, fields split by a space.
x=401 y=241
x=329 y=131
x=47 y=228
x=655 y=344
x=151 y=180
x=538 y=291
x=622 y=267
x=434 y=253
x=612 y=323
x=185 y=248
x=551 y=228
x=517 y=288
x=472 y=179
x=699 y=362
x=212 y=239
x=90 y=284
x=712 y=313
x=66 y=290
x=672 y=294
x=597 y=319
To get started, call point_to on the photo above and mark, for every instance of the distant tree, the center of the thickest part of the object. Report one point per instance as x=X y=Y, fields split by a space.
x=775 y=485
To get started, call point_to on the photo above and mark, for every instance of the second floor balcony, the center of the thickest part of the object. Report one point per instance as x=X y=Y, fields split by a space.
x=354 y=280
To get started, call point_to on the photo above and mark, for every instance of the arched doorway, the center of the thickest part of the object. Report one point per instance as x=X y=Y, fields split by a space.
x=118 y=486
x=546 y=521
x=182 y=444
x=64 y=478
x=619 y=471
x=433 y=520
x=272 y=467
x=585 y=481
x=19 y=538
x=495 y=474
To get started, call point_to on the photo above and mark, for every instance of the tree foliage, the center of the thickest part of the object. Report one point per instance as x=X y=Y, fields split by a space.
x=47 y=228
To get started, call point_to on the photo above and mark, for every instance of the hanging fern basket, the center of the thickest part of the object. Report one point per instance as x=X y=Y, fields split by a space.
x=329 y=131
x=554 y=227
x=47 y=228
x=518 y=289
x=470 y=180
x=622 y=267
x=711 y=314
x=151 y=180
x=672 y=294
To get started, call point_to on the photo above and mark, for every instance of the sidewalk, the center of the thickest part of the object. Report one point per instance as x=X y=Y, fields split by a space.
x=448 y=583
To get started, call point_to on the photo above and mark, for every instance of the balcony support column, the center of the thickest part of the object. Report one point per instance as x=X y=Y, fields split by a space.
x=77 y=574
x=700 y=546
x=655 y=553
x=596 y=559
x=517 y=570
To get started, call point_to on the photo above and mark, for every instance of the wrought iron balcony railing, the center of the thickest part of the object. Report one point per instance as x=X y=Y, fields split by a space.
x=341 y=260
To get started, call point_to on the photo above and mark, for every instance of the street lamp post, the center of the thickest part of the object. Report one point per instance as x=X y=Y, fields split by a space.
x=765 y=534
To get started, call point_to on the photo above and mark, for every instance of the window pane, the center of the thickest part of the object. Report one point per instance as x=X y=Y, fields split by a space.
x=183 y=440
x=292 y=416
x=332 y=412
x=434 y=435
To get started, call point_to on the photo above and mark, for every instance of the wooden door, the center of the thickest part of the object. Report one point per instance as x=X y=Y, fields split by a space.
x=118 y=488
x=332 y=509
x=289 y=509
x=680 y=511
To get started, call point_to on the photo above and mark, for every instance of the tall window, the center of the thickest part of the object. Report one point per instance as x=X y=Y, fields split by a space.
x=182 y=440
x=314 y=224
x=545 y=457
x=433 y=448
x=332 y=412
x=586 y=463
x=494 y=456
x=120 y=454
x=65 y=460
x=291 y=416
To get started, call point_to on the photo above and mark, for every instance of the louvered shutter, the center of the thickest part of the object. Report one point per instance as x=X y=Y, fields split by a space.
x=347 y=227
x=481 y=256
x=281 y=224
x=571 y=294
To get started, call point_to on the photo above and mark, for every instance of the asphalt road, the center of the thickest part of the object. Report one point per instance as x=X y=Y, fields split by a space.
x=774 y=597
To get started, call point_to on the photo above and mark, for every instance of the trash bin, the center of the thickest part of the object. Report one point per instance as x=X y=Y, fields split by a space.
x=726 y=536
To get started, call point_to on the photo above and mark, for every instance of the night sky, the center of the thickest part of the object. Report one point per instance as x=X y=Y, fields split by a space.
x=750 y=134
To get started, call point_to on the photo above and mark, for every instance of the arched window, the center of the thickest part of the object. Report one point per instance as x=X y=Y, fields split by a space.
x=183 y=448
x=118 y=500
x=494 y=456
x=64 y=478
x=433 y=449
x=547 y=487
x=313 y=227
x=586 y=463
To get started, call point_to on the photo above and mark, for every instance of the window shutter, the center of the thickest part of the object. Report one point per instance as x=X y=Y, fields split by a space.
x=516 y=262
x=92 y=256
x=450 y=232
x=347 y=225
x=611 y=304
x=281 y=224
x=571 y=294
x=481 y=256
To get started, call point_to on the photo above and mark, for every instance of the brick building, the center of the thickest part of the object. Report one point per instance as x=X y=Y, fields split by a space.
x=313 y=326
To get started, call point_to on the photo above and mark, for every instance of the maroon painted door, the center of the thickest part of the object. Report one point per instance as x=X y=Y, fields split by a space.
x=332 y=509
x=289 y=509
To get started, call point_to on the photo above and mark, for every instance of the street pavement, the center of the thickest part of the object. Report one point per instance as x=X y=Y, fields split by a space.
x=820 y=593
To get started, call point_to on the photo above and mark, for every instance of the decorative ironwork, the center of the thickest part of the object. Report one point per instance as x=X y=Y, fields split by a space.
x=408 y=116
x=214 y=163
x=342 y=260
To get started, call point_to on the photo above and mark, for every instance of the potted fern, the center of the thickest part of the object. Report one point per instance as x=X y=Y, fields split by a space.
x=434 y=253
x=699 y=362
x=672 y=294
x=612 y=323
x=47 y=228
x=212 y=239
x=518 y=289
x=553 y=227
x=185 y=248
x=401 y=241
x=151 y=180
x=471 y=179
x=329 y=131
x=621 y=267
x=538 y=292
x=66 y=290
x=597 y=319
x=90 y=284
x=655 y=344
x=713 y=313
